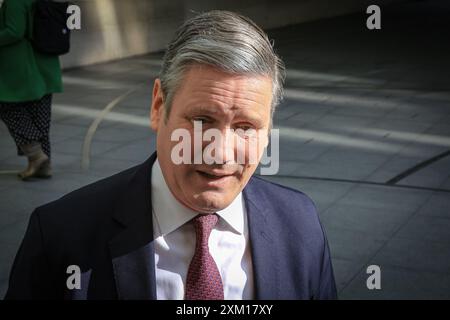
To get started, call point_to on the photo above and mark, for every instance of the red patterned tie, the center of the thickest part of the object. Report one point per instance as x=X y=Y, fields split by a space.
x=203 y=280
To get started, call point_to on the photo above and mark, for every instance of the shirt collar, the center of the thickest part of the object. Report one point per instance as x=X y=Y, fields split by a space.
x=234 y=214
x=170 y=214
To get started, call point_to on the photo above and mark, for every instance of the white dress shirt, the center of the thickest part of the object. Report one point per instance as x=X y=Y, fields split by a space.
x=175 y=244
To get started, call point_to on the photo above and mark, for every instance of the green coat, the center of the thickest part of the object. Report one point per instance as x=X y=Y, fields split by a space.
x=24 y=73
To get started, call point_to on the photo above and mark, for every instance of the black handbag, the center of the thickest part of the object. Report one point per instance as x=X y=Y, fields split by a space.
x=50 y=32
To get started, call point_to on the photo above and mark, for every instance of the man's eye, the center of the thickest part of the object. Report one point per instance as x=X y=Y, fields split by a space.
x=246 y=132
x=200 y=119
x=244 y=127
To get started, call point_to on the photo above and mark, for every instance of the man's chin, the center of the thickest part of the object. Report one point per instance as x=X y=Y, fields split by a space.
x=212 y=201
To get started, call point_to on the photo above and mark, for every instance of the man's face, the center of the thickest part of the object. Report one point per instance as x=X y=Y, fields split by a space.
x=221 y=101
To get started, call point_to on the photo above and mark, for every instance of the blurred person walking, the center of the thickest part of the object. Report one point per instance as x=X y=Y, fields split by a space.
x=27 y=81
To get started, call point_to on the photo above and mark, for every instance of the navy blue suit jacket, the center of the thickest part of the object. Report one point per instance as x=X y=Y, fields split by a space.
x=106 y=229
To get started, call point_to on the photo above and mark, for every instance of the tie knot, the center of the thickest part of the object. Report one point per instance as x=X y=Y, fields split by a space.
x=204 y=223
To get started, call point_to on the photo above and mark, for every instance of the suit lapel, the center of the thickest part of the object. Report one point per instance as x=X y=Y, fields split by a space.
x=134 y=274
x=262 y=241
x=132 y=250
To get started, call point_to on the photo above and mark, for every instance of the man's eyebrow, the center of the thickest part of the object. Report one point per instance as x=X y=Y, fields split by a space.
x=203 y=109
x=196 y=110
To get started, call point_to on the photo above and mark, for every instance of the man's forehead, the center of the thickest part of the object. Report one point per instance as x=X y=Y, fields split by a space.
x=208 y=83
x=214 y=109
x=201 y=75
x=203 y=101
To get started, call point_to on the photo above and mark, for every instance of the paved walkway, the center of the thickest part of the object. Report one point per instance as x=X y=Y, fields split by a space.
x=365 y=131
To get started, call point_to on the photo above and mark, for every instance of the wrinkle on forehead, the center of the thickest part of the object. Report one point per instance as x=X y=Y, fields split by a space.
x=224 y=92
x=230 y=91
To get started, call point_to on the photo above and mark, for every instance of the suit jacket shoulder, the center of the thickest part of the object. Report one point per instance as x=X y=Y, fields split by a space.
x=295 y=249
x=291 y=207
x=89 y=203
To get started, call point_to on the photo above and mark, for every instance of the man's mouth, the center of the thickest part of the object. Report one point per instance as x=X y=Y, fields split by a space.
x=215 y=175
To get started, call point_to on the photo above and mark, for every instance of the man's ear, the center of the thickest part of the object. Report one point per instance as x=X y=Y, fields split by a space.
x=157 y=108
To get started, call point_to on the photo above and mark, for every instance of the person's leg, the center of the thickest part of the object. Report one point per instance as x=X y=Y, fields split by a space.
x=25 y=134
x=40 y=114
x=17 y=120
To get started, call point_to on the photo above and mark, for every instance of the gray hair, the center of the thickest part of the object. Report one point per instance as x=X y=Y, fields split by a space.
x=226 y=40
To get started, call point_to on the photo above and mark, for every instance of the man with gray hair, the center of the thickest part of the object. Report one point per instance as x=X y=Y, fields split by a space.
x=192 y=222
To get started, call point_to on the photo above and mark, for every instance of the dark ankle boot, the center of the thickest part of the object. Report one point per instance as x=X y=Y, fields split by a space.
x=36 y=158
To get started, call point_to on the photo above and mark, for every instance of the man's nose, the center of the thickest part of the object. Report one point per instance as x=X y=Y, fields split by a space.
x=226 y=148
